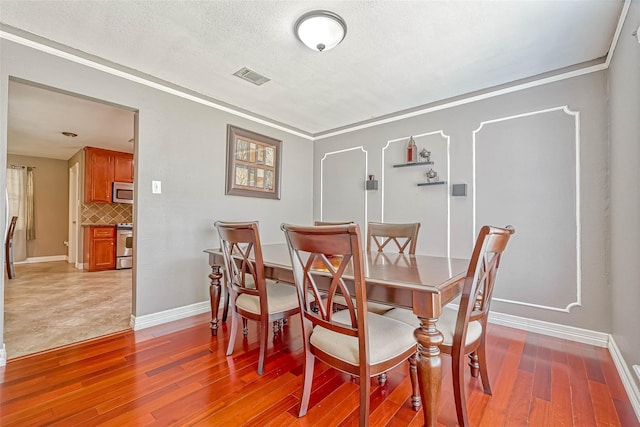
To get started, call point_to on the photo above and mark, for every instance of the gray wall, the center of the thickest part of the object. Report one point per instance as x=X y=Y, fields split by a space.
x=624 y=101
x=535 y=158
x=182 y=144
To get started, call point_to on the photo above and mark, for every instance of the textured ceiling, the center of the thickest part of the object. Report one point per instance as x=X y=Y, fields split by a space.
x=397 y=55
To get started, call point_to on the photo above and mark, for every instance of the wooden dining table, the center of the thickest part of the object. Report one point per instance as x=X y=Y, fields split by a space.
x=418 y=282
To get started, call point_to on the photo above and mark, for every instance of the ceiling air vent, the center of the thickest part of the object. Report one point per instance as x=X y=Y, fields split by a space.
x=251 y=76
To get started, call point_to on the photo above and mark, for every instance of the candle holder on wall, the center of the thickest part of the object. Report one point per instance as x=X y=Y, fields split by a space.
x=371 y=183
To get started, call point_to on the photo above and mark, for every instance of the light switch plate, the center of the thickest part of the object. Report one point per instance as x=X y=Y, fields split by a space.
x=156 y=187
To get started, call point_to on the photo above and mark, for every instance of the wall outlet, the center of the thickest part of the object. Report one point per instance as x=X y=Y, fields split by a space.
x=156 y=187
x=636 y=369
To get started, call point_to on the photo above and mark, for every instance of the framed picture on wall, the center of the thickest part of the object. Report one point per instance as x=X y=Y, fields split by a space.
x=253 y=164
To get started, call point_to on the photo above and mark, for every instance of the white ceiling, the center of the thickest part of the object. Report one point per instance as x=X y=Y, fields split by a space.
x=396 y=56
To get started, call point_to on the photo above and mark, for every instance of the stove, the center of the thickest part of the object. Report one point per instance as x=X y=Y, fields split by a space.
x=124 y=245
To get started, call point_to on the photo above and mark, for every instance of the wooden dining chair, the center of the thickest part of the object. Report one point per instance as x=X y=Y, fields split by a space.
x=331 y=222
x=379 y=235
x=464 y=328
x=8 y=248
x=251 y=295
x=352 y=340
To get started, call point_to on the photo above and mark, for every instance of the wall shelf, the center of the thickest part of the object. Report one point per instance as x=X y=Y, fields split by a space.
x=421 y=184
x=402 y=165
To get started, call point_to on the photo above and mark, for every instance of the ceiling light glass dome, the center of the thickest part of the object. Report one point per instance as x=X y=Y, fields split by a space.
x=321 y=30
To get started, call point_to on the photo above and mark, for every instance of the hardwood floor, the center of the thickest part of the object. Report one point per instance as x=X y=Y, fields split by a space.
x=177 y=374
x=51 y=304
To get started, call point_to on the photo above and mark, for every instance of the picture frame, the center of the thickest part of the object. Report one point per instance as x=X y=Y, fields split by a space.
x=253 y=164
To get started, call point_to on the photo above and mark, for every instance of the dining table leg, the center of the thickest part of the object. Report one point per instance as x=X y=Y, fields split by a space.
x=215 y=290
x=429 y=368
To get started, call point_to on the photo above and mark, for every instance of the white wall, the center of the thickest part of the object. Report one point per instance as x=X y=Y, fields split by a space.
x=624 y=101
x=536 y=159
x=182 y=144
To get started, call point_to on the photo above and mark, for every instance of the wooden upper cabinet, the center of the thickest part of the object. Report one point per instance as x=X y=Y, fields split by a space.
x=98 y=175
x=123 y=167
x=101 y=169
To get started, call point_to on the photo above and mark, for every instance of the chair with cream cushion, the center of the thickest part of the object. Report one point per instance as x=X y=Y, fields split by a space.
x=352 y=340
x=251 y=295
x=464 y=328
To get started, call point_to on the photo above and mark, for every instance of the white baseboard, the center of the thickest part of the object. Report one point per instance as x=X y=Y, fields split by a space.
x=146 y=321
x=571 y=333
x=626 y=376
x=3 y=355
x=42 y=259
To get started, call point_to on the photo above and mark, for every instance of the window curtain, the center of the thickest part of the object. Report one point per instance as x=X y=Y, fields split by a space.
x=30 y=225
x=20 y=203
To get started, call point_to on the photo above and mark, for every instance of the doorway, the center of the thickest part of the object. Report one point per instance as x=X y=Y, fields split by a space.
x=47 y=131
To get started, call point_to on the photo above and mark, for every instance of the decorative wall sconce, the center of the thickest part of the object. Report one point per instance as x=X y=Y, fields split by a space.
x=459 y=190
x=371 y=183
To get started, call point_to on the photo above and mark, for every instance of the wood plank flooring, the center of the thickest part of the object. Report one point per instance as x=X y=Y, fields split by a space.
x=177 y=374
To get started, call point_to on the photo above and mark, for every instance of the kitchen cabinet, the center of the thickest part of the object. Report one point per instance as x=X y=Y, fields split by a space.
x=98 y=175
x=100 y=247
x=123 y=167
x=101 y=169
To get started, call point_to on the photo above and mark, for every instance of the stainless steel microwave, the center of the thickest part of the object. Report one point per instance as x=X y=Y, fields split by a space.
x=122 y=192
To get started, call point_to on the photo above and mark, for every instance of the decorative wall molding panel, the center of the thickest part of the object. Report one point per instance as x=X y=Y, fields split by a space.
x=404 y=201
x=545 y=273
x=342 y=192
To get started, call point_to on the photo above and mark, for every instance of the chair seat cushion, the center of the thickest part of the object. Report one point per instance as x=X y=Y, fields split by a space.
x=388 y=339
x=372 y=307
x=446 y=323
x=280 y=297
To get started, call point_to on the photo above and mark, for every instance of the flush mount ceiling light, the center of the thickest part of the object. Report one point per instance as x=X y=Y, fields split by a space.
x=70 y=134
x=321 y=30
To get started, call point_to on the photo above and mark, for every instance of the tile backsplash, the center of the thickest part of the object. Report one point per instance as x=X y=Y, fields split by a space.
x=105 y=213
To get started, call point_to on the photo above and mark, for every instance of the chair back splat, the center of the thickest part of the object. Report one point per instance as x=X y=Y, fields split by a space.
x=404 y=236
x=332 y=222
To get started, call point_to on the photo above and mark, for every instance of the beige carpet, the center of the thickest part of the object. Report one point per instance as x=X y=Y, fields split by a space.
x=52 y=304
